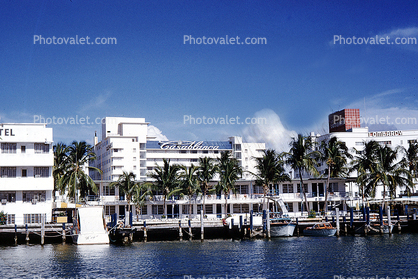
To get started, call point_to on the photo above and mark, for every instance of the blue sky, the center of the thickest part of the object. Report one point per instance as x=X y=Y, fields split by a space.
x=294 y=81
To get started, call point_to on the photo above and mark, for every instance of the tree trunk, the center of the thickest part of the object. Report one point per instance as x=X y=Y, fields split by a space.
x=303 y=191
x=190 y=207
x=326 y=191
x=226 y=206
x=203 y=204
x=164 y=208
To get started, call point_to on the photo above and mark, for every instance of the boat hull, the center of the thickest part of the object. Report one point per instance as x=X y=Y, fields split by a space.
x=90 y=238
x=322 y=232
x=280 y=230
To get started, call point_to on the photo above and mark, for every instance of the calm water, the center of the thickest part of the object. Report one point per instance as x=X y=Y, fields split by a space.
x=303 y=257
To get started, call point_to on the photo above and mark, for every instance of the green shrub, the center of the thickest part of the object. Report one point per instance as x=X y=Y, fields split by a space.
x=3 y=218
x=312 y=214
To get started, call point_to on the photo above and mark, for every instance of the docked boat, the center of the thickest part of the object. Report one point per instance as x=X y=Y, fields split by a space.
x=375 y=228
x=320 y=229
x=89 y=226
x=281 y=227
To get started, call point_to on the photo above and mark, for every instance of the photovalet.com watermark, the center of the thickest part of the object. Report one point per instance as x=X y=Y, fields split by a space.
x=70 y=120
x=376 y=40
x=379 y=120
x=224 y=120
x=226 y=40
x=77 y=40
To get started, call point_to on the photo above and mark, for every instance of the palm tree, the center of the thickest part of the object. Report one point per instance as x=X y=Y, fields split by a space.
x=335 y=154
x=302 y=157
x=270 y=170
x=74 y=178
x=166 y=177
x=60 y=162
x=206 y=172
x=363 y=163
x=189 y=183
x=386 y=171
x=140 y=195
x=229 y=171
x=411 y=157
x=127 y=186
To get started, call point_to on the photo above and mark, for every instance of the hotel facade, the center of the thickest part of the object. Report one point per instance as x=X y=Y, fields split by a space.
x=26 y=163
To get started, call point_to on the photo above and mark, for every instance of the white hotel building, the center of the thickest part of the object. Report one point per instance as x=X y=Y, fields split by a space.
x=126 y=146
x=26 y=182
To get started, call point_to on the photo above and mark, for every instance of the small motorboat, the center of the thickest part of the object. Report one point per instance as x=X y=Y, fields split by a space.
x=281 y=227
x=320 y=229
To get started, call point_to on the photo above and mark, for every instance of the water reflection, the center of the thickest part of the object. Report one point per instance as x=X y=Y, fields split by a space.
x=294 y=257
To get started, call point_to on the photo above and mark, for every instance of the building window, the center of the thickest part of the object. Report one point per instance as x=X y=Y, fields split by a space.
x=237 y=147
x=287 y=188
x=193 y=151
x=23 y=149
x=108 y=191
x=32 y=218
x=241 y=189
x=142 y=146
x=8 y=172
x=157 y=209
x=194 y=160
x=41 y=148
x=24 y=172
x=110 y=209
x=134 y=158
x=11 y=219
x=241 y=208
x=258 y=189
x=290 y=207
x=7 y=197
x=208 y=209
x=144 y=210
x=41 y=172
x=34 y=196
x=8 y=148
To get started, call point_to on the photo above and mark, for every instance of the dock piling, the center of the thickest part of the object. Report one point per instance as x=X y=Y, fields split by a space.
x=15 y=234
x=268 y=224
x=337 y=216
x=297 y=226
x=389 y=220
x=42 y=229
x=202 y=233
x=63 y=233
x=145 y=231
x=190 y=230
x=180 y=231
x=381 y=219
x=27 y=233
x=251 y=223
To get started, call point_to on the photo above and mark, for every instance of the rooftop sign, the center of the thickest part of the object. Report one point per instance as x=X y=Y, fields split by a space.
x=385 y=134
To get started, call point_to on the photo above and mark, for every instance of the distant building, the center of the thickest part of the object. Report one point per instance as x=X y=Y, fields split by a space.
x=355 y=137
x=344 y=120
x=26 y=182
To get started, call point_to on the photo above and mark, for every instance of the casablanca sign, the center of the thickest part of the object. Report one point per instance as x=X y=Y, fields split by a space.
x=187 y=145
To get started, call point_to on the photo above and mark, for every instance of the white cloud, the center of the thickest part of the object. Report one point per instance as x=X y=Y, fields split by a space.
x=155 y=132
x=402 y=32
x=388 y=110
x=273 y=132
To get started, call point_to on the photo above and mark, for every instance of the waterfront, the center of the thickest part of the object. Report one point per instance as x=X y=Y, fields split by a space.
x=294 y=257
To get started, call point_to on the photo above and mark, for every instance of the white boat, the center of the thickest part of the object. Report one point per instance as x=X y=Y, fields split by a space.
x=89 y=226
x=281 y=227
